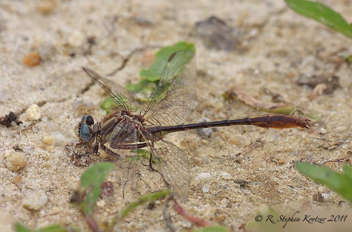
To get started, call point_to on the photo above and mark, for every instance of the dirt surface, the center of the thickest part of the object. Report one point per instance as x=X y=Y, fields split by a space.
x=270 y=48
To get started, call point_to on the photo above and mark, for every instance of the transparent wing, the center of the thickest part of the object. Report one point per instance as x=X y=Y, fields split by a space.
x=174 y=99
x=173 y=165
x=123 y=144
x=124 y=99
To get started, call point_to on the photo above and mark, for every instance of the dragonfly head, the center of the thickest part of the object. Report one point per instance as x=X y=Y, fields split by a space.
x=84 y=130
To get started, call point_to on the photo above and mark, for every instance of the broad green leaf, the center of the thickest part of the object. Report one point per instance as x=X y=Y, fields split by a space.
x=347 y=170
x=144 y=87
x=154 y=72
x=322 y=14
x=91 y=180
x=150 y=77
x=340 y=183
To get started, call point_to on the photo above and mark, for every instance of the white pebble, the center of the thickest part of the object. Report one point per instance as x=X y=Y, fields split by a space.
x=15 y=161
x=76 y=39
x=205 y=189
x=186 y=224
x=48 y=140
x=60 y=139
x=323 y=131
x=225 y=175
x=34 y=200
x=203 y=175
x=224 y=202
x=101 y=204
x=205 y=133
x=33 y=113
x=325 y=195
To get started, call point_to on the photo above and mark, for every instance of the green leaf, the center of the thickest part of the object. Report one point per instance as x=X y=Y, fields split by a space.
x=154 y=72
x=144 y=87
x=91 y=180
x=21 y=228
x=213 y=229
x=107 y=104
x=340 y=183
x=322 y=14
x=53 y=228
x=150 y=77
x=347 y=170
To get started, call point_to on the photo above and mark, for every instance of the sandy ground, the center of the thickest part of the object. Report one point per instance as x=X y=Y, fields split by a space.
x=250 y=168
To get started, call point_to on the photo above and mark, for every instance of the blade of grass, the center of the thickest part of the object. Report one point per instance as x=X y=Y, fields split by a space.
x=142 y=200
x=339 y=183
x=322 y=14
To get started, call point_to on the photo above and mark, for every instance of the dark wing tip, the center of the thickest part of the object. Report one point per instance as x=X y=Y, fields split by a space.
x=172 y=57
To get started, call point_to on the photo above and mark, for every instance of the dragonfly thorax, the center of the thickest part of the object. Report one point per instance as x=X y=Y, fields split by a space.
x=119 y=127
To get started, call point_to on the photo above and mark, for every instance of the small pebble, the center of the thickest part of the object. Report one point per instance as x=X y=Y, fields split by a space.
x=101 y=203
x=17 y=179
x=47 y=51
x=203 y=175
x=15 y=161
x=225 y=175
x=205 y=133
x=48 y=140
x=323 y=131
x=34 y=200
x=326 y=196
x=46 y=7
x=186 y=224
x=205 y=189
x=224 y=202
x=31 y=59
x=76 y=39
x=33 y=113
x=60 y=139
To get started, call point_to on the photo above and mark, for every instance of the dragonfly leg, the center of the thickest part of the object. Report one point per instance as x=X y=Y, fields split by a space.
x=95 y=149
x=113 y=156
x=151 y=163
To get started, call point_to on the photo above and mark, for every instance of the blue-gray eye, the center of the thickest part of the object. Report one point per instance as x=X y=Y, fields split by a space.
x=85 y=133
x=87 y=119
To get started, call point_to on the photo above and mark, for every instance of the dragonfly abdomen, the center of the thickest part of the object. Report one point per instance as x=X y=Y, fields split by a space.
x=267 y=121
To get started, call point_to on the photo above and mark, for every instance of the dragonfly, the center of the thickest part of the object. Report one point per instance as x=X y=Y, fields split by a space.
x=136 y=125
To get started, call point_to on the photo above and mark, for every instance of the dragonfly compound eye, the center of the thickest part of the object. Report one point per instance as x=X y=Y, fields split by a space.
x=87 y=119
x=85 y=133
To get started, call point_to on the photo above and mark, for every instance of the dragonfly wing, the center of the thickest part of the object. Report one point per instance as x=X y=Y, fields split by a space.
x=123 y=98
x=172 y=163
x=123 y=143
x=174 y=99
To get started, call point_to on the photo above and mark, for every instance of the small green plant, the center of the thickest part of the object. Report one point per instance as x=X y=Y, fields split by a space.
x=340 y=183
x=322 y=14
x=53 y=228
x=151 y=77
